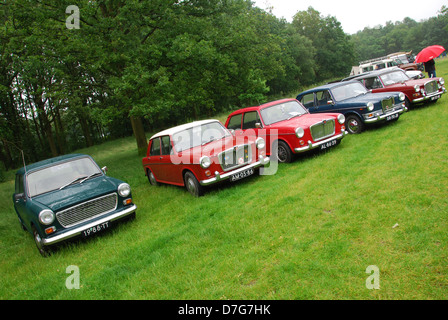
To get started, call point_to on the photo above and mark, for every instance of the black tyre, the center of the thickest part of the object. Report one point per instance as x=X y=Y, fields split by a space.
x=192 y=184
x=151 y=178
x=43 y=249
x=354 y=124
x=282 y=152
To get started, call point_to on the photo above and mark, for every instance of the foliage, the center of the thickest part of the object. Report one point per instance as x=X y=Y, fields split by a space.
x=406 y=35
x=136 y=66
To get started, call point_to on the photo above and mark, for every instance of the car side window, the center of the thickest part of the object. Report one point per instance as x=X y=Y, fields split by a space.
x=19 y=184
x=155 y=147
x=372 y=83
x=323 y=97
x=250 y=119
x=235 y=122
x=308 y=100
x=166 y=145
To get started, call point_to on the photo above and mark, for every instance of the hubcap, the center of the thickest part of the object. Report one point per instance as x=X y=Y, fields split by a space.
x=281 y=154
x=353 y=125
x=191 y=186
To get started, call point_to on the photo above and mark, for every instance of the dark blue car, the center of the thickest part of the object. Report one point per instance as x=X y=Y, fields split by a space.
x=359 y=106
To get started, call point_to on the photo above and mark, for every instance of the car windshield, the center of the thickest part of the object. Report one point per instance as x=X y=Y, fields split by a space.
x=61 y=175
x=394 y=77
x=348 y=91
x=282 y=111
x=199 y=135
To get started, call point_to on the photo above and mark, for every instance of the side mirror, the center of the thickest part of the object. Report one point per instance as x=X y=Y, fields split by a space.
x=330 y=102
x=104 y=169
x=258 y=125
x=19 y=196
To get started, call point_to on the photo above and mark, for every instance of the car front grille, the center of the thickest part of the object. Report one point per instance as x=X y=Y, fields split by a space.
x=431 y=87
x=388 y=104
x=235 y=157
x=87 y=210
x=323 y=129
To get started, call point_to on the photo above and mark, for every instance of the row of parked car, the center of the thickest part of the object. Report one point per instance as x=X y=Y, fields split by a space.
x=70 y=196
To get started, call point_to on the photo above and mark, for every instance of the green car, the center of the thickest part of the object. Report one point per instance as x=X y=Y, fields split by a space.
x=69 y=196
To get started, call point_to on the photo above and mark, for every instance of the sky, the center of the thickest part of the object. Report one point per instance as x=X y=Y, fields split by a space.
x=355 y=15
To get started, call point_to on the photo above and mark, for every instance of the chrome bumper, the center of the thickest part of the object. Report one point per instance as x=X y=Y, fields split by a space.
x=438 y=93
x=318 y=144
x=77 y=231
x=262 y=161
x=384 y=116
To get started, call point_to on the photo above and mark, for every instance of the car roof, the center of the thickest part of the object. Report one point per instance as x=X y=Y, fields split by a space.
x=51 y=161
x=262 y=106
x=328 y=86
x=376 y=73
x=173 y=130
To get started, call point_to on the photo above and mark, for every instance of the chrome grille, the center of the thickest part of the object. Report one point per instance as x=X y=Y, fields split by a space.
x=235 y=157
x=388 y=104
x=431 y=87
x=323 y=129
x=87 y=210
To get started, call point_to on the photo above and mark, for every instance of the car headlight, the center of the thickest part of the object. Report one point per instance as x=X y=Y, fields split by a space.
x=341 y=118
x=402 y=96
x=124 y=190
x=370 y=106
x=205 y=162
x=442 y=81
x=260 y=143
x=417 y=88
x=300 y=132
x=46 y=217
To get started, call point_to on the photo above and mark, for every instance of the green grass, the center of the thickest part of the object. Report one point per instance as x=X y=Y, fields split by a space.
x=307 y=232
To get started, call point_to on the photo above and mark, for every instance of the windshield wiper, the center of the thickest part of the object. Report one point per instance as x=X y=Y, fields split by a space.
x=296 y=115
x=90 y=176
x=207 y=142
x=66 y=185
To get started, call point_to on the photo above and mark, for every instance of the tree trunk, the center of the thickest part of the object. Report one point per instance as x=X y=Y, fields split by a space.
x=139 y=134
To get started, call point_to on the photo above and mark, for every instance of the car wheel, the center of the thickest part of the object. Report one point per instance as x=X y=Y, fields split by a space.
x=151 y=178
x=192 y=184
x=43 y=250
x=354 y=124
x=282 y=152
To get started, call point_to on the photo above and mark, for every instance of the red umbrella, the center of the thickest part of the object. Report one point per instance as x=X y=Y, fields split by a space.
x=429 y=53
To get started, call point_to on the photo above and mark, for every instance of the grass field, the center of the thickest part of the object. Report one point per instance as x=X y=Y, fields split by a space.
x=308 y=232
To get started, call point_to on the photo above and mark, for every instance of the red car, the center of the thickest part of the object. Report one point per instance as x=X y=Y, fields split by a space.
x=416 y=91
x=288 y=127
x=201 y=153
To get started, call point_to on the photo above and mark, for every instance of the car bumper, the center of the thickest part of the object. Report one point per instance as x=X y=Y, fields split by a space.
x=77 y=231
x=383 y=117
x=311 y=145
x=429 y=97
x=221 y=177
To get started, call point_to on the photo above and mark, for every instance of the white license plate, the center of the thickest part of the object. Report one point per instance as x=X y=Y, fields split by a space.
x=93 y=230
x=241 y=175
x=328 y=144
x=392 y=117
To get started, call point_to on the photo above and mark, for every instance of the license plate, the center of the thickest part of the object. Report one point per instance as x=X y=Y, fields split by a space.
x=392 y=117
x=95 y=229
x=241 y=175
x=435 y=98
x=328 y=144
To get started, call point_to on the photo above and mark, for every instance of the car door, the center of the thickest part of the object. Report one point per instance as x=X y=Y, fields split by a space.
x=154 y=157
x=324 y=101
x=20 y=200
x=309 y=102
